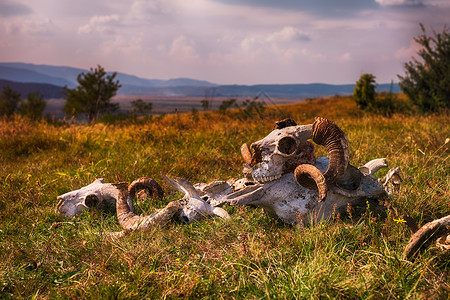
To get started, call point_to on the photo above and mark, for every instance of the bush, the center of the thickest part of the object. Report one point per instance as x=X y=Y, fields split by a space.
x=364 y=92
x=9 y=101
x=33 y=106
x=427 y=82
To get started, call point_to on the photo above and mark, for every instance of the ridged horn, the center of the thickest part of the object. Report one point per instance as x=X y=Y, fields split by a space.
x=307 y=175
x=146 y=183
x=427 y=234
x=328 y=134
x=128 y=220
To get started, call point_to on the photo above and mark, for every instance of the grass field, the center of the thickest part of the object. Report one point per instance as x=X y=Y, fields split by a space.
x=250 y=256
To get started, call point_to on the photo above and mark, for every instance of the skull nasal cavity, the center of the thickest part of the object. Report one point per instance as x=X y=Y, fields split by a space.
x=287 y=145
x=91 y=201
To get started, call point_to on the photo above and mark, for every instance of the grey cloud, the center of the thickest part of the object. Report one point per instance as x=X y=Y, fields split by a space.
x=325 y=8
x=9 y=9
x=401 y=3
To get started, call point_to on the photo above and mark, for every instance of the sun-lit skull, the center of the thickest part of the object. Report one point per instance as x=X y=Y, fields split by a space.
x=97 y=194
x=280 y=152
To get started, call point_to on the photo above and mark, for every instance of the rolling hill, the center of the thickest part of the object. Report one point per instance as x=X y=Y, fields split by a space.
x=27 y=77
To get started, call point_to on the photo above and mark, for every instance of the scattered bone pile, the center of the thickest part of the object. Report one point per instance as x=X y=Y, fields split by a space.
x=281 y=175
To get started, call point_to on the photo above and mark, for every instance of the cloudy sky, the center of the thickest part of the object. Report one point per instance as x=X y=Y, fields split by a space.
x=222 y=41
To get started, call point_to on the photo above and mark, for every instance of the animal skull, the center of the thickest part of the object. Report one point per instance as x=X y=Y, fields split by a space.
x=279 y=153
x=293 y=192
x=97 y=194
x=286 y=199
x=287 y=147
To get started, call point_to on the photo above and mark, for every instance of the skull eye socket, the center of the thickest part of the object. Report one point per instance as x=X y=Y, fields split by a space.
x=91 y=201
x=287 y=145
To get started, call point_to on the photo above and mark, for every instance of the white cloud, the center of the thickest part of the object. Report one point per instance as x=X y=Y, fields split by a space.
x=102 y=24
x=183 y=49
x=288 y=34
x=31 y=26
x=219 y=42
x=407 y=52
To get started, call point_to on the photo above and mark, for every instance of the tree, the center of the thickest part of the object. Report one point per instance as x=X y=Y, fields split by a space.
x=364 y=92
x=205 y=104
x=141 y=107
x=427 y=81
x=227 y=104
x=33 y=106
x=9 y=101
x=93 y=94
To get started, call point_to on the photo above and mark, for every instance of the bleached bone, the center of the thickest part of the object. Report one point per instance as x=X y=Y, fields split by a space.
x=191 y=208
x=98 y=195
x=194 y=208
x=392 y=180
x=287 y=149
x=291 y=185
x=373 y=166
x=286 y=199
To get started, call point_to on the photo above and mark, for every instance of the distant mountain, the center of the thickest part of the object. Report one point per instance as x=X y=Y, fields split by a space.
x=59 y=76
x=26 y=75
x=48 y=91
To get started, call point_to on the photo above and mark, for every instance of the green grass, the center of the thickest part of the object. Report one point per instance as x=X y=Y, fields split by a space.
x=250 y=256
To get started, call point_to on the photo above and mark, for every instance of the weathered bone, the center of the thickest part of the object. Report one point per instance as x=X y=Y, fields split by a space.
x=436 y=230
x=287 y=148
x=100 y=195
x=194 y=208
x=392 y=180
x=191 y=208
x=291 y=202
x=373 y=166
x=97 y=194
x=129 y=221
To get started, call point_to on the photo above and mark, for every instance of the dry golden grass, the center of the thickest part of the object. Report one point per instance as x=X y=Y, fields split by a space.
x=250 y=256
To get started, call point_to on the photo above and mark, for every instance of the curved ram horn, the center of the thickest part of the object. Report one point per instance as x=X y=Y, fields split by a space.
x=128 y=220
x=146 y=183
x=328 y=134
x=307 y=175
x=427 y=234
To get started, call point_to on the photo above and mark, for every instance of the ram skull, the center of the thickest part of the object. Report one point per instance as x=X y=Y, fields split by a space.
x=291 y=185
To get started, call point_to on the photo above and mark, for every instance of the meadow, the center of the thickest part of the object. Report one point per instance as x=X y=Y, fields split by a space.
x=250 y=256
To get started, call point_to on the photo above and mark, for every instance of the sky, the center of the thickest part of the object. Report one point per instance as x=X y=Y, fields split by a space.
x=223 y=41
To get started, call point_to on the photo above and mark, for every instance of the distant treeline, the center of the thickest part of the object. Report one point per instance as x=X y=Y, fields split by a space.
x=280 y=91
